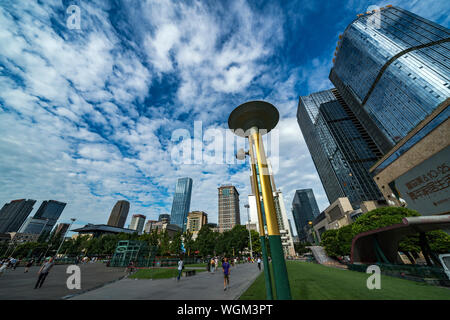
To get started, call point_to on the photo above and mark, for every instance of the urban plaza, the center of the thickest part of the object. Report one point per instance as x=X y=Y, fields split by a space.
x=225 y=158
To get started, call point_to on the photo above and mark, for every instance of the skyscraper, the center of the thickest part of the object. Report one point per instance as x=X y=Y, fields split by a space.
x=392 y=69
x=164 y=218
x=196 y=220
x=341 y=149
x=137 y=222
x=304 y=209
x=13 y=214
x=119 y=214
x=229 y=214
x=181 y=202
x=45 y=218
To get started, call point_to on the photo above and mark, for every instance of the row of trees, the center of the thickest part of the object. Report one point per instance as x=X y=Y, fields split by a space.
x=338 y=242
x=208 y=243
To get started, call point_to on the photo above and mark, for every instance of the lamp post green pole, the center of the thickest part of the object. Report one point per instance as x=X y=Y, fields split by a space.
x=282 y=286
x=262 y=237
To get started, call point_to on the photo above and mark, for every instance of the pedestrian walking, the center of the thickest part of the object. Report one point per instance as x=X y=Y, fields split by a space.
x=212 y=265
x=43 y=272
x=216 y=263
x=180 y=268
x=226 y=273
x=3 y=267
x=28 y=265
x=16 y=263
x=259 y=263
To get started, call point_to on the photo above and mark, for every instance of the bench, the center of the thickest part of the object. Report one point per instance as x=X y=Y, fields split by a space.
x=189 y=273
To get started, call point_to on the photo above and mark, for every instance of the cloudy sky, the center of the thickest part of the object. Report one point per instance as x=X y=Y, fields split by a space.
x=87 y=116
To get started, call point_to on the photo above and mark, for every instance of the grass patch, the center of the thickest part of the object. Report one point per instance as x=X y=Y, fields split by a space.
x=157 y=273
x=311 y=281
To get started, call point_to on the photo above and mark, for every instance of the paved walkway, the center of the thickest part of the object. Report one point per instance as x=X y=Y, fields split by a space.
x=15 y=284
x=202 y=286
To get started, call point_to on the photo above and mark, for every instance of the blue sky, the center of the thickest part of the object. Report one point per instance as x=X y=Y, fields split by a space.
x=86 y=116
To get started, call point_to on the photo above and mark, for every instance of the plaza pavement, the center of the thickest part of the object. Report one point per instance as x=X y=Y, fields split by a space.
x=202 y=286
x=17 y=285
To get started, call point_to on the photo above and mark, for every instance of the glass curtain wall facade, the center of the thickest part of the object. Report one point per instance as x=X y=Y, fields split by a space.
x=181 y=202
x=45 y=218
x=304 y=209
x=341 y=149
x=13 y=214
x=392 y=68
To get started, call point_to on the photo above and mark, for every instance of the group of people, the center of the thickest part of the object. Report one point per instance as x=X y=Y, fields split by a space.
x=12 y=263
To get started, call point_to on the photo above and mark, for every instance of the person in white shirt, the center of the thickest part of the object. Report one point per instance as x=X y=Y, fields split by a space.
x=180 y=268
x=259 y=263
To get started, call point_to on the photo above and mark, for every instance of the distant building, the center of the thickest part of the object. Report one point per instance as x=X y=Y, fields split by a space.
x=119 y=214
x=251 y=226
x=13 y=214
x=304 y=210
x=137 y=222
x=98 y=230
x=165 y=218
x=196 y=220
x=61 y=229
x=45 y=218
x=149 y=226
x=181 y=202
x=229 y=214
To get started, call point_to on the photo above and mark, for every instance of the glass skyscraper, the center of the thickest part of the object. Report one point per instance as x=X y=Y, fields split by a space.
x=341 y=149
x=392 y=68
x=45 y=218
x=181 y=202
x=13 y=214
x=304 y=209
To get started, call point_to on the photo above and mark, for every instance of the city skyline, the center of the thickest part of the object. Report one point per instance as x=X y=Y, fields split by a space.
x=106 y=127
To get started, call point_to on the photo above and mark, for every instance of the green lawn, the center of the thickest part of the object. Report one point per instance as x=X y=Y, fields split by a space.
x=157 y=273
x=311 y=281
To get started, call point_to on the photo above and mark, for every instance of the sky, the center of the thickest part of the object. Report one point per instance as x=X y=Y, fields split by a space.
x=92 y=115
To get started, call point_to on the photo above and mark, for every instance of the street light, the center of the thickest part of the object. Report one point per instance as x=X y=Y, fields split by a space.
x=64 y=236
x=249 y=233
x=248 y=120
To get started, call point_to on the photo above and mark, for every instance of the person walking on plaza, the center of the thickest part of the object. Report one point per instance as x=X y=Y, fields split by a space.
x=259 y=263
x=180 y=268
x=43 y=272
x=212 y=265
x=3 y=267
x=216 y=263
x=226 y=273
x=28 y=265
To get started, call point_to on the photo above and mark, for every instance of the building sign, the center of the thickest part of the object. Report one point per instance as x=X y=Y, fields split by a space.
x=426 y=187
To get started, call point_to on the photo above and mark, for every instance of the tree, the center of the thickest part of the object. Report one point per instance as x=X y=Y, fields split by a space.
x=175 y=245
x=164 y=243
x=256 y=242
x=206 y=241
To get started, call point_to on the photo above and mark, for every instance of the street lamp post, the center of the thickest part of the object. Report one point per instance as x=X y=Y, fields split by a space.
x=247 y=120
x=249 y=233
x=64 y=236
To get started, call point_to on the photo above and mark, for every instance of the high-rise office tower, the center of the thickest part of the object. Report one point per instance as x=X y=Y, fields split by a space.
x=340 y=147
x=392 y=69
x=229 y=214
x=119 y=214
x=164 y=218
x=149 y=226
x=181 y=202
x=45 y=218
x=304 y=209
x=13 y=214
x=137 y=222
